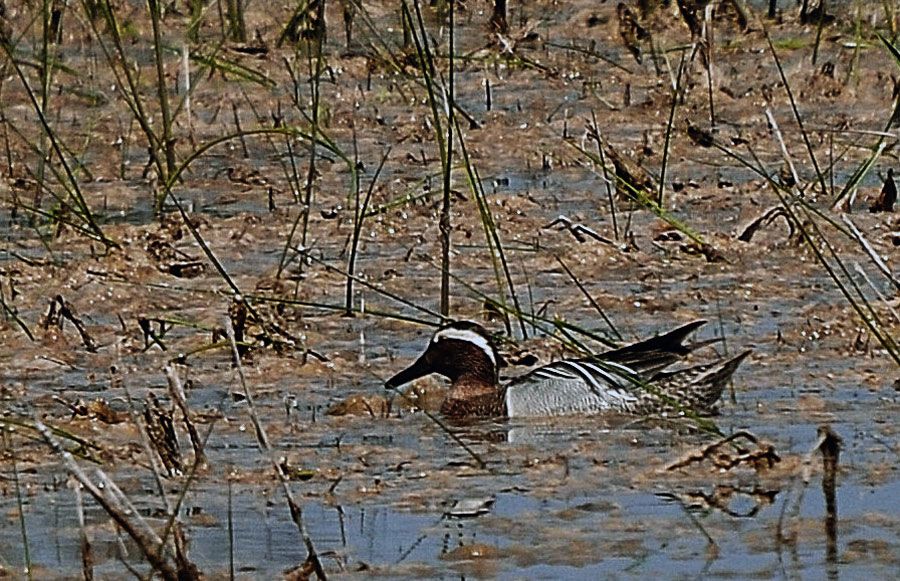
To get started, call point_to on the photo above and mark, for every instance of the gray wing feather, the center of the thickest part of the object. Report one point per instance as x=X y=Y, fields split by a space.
x=568 y=387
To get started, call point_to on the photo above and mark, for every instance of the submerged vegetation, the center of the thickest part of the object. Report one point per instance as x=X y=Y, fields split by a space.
x=225 y=224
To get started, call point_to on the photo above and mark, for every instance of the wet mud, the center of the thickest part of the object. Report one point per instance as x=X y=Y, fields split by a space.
x=92 y=323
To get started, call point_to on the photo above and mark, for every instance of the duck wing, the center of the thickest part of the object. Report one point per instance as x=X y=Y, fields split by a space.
x=646 y=358
x=630 y=379
x=571 y=387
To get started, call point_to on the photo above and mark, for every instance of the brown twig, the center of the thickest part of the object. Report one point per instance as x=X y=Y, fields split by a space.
x=763 y=455
x=263 y=441
x=176 y=390
x=138 y=529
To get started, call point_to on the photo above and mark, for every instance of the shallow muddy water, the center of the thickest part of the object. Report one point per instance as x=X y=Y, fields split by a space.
x=385 y=491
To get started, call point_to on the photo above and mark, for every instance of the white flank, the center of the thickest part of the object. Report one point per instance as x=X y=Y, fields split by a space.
x=469 y=337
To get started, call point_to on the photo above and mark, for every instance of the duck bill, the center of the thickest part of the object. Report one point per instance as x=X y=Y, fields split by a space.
x=418 y=369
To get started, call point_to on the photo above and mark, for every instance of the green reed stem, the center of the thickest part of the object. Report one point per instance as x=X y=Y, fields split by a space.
x=787 y=87
x=168 y=141
x=75 y=193
x=676 y=92
x=359 y=216
x=20 y=504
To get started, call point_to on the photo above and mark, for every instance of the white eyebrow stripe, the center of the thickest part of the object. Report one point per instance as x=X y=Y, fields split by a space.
x=470 y=337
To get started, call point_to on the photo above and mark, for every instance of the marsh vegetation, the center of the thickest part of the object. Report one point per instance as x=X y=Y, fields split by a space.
x=225 y=224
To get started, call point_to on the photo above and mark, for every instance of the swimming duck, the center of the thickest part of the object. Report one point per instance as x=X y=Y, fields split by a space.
x=631 y=379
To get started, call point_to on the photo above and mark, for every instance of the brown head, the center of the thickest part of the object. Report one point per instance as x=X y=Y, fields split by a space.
x=461 y=351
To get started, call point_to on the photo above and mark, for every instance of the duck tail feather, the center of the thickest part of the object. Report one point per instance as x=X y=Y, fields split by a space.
x=658 y=352
x=710 y=385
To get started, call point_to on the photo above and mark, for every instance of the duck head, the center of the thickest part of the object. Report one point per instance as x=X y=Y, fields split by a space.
x=461 y=351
